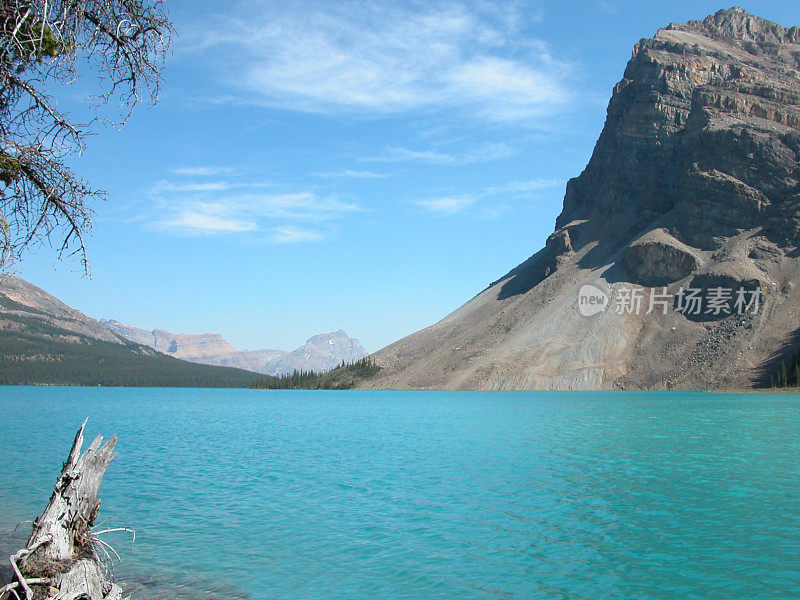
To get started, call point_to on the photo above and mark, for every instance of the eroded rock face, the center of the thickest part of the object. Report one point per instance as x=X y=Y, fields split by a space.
x=658 y=259
x=703 y=128
x=560 y=242
x=695 y=180
x=733 y=294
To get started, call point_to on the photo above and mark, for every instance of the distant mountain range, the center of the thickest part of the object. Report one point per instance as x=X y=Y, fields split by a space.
x=320 y=353
x=45 y=342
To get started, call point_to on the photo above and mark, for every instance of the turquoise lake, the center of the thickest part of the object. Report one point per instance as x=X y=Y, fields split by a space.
x=361 y=495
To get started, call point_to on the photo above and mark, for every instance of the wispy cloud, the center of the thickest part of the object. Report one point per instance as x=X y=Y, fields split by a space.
x=290 y=235
x=191 y=186
x=353 y=174
x=484 y=153
x=202 y=171
x=447 y=205
x=228 y=207
x=383 y=58
x=451 y=205
x=522 y=187
x=164 y=186
x=196 y=221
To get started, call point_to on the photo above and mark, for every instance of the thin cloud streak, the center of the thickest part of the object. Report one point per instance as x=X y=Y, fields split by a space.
x=451 y=205
x=197 y=222
x=484 y=153
x=523 y=186
x=192 y=186
x=227 y=207
x=202 y=171
x=292 y=235
x=353 y=174
x=447 y=205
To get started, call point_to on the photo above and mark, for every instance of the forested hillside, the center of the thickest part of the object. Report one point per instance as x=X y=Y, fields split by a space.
x=35 y=353
x=45 y=342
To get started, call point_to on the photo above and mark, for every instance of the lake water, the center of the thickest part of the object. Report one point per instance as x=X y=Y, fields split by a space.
x=362 y=495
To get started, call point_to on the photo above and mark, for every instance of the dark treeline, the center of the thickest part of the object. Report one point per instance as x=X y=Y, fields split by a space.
x=787 y=374
x=343 y=377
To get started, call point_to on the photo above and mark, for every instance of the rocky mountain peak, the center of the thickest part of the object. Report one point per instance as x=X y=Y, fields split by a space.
x=694 y=183
x=704 y=126
x=321 y=353
x=331 y=336
x=737 y=24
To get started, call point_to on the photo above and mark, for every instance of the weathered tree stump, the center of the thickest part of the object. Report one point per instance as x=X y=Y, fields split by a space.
x=60 y=561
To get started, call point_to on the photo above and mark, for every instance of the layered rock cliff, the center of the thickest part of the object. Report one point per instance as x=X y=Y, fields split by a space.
x=206 y=348
x=692 y=186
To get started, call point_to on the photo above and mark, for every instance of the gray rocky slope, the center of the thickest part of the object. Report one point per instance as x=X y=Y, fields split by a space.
x=320 y=353
x=693 y=184
x=18 y=298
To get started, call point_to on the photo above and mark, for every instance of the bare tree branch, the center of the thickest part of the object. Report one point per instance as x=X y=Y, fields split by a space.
x=43 y=45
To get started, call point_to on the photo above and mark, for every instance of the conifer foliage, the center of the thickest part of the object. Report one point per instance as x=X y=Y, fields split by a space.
x=343 y=377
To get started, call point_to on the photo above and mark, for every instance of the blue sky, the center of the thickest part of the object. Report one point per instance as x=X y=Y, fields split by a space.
x=368 y=165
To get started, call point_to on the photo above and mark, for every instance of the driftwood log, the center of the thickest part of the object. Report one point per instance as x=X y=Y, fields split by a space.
x=60 y=561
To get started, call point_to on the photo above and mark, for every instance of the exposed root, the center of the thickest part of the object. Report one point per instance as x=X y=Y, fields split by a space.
x=128 y=529
x=105 y=547
x=11 y=587
x=20 y=524
x=107 y=566
x=21 y=580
